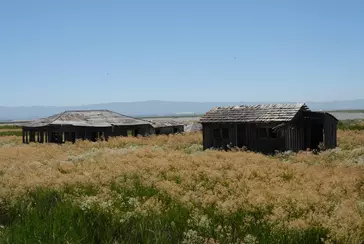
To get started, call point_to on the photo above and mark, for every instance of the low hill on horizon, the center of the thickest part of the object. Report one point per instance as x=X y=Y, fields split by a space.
x=157 y=108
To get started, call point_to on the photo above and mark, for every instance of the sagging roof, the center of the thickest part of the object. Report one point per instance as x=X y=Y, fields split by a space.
x=194 y=127
x=262 y=113
x=88 y=118
x=164 y=123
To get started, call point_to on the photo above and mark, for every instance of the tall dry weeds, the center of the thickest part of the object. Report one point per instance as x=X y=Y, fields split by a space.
x=300 y=190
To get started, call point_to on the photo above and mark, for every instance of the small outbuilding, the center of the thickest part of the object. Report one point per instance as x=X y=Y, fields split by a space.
x=193 y=127
x=86 y=125
x=269 y=127
x=165 y=127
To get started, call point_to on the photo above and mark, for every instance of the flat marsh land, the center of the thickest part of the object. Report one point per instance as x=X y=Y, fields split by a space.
x=165 y=189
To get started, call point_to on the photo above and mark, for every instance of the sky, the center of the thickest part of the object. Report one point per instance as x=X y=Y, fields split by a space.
x=87 y=52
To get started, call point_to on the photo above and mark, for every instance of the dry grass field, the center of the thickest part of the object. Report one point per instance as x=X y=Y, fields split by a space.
x=165 y=189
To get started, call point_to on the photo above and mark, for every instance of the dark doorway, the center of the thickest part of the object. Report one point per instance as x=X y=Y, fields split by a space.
x=317 y=135
x=93 y=136
x=175 y=130
x=56 y=137
x=241 y=134
x=66 y=136
x=73 y=137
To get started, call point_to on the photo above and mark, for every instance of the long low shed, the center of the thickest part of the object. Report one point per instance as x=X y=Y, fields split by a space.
x=90 y=125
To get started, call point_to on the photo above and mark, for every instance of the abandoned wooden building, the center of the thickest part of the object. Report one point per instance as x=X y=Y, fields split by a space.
x=165 y=127
x=89 y=125
x=269 y=128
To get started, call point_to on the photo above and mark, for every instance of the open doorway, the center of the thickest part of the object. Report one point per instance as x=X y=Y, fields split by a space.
x=94 y=136
x=317 y=134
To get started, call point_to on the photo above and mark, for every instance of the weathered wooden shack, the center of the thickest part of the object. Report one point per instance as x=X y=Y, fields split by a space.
x=86 y=125
x=165 y=127
x=269 y=128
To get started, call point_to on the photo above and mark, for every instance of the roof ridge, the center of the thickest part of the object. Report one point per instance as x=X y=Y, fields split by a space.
x=258 y=112
x=60 y=114
x=85 y=110
x=128 y=116
x=260 y=105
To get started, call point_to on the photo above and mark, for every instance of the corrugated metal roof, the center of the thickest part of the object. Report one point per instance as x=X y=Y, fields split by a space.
x=255 y=113
x=88 y=118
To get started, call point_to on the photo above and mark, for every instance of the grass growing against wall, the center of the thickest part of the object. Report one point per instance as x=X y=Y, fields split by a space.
x=165 y=189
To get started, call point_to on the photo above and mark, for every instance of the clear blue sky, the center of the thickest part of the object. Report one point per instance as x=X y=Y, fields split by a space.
x=81 y=52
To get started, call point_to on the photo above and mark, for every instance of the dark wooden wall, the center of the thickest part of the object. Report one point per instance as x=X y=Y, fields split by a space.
x=294 y=138
x=243 y=134
x=330 y=131
x=304 y=132
x=60 y=134
x=209 y=141
x=169 y=130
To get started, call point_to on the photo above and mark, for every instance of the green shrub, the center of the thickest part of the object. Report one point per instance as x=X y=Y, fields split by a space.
x=351 y=125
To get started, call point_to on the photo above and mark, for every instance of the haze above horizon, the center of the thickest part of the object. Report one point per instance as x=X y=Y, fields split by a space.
x=69 y=53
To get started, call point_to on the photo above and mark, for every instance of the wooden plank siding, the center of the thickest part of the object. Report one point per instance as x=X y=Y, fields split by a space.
x=297 y=130
x=330 y=132
x=243 y=134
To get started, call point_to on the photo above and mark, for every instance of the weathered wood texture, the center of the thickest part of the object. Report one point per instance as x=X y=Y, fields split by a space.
x=92 y=125
x=296 y=131
x=168 y=130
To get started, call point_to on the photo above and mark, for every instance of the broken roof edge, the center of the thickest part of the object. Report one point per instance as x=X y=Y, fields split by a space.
x=164 y=123
x=166 y=126
x=259 y=106
x=326 y=113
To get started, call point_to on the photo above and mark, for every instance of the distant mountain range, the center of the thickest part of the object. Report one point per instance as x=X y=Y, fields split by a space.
x=157 y=108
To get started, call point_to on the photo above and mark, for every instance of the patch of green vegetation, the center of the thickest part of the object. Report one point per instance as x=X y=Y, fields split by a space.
x=10 y=127
x=10 y=133
x=81 y=189
x=348 y=111
x=48 y=216
x=351 y=125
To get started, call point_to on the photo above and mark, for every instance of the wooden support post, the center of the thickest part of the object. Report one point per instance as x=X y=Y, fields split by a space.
x=23 y=135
